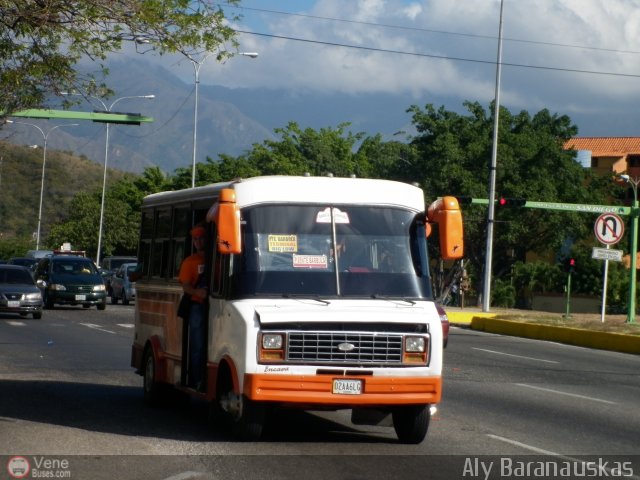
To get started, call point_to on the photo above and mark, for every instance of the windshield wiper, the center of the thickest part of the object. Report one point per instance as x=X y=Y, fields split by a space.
x=377 y=296
x=302 y=296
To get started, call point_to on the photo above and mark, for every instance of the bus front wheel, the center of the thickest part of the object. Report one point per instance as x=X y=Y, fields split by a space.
x=411 y=423
x=244 y=417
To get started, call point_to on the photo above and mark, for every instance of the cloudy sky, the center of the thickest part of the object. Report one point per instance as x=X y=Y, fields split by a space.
x=574 y=57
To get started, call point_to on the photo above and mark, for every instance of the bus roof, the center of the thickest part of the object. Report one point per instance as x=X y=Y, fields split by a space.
x=298 y=189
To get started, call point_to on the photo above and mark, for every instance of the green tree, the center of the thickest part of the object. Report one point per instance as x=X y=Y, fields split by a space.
x=308 y=151
x=454 y=154
x=121 y=222
x=391 y=160
x=41 y=42
x=14 y=247
x=81 y=228
x=152 y=180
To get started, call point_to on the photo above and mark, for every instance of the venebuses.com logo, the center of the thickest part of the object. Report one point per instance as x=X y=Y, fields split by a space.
x=38 y=467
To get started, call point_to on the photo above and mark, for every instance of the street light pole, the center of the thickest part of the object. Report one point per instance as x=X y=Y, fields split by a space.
x=488 y=262
x=106 y=160
x=45 y=136
x=631 y=314
x=197 y=64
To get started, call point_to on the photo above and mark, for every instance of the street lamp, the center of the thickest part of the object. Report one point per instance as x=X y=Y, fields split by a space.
x=196 y=68
x=631 y=314
x=45 y=136
x=106 y=159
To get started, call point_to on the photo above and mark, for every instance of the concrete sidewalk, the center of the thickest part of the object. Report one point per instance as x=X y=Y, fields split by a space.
x=487 y=322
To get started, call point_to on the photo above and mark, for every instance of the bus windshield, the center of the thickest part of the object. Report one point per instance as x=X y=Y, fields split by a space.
x=332 y=251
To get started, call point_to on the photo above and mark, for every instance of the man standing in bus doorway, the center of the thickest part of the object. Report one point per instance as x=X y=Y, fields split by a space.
x=193 y=283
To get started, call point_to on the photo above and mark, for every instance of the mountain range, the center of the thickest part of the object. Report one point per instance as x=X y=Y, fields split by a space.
x=230 y=120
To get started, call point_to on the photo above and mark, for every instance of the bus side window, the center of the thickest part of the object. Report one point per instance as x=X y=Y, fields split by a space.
x=180 y=238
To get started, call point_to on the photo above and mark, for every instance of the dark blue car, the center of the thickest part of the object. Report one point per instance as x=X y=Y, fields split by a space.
x=70 y=280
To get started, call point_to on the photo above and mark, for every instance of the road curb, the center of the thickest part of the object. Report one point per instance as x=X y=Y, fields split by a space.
x=572 y=336
x=465 y=318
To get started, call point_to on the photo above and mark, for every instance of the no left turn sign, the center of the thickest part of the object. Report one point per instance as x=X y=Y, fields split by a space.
x=609 y=228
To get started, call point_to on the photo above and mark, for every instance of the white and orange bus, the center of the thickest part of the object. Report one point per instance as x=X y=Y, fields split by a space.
x=292 y=322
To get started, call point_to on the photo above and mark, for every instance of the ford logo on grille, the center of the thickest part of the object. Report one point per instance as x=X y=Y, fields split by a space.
x=346 y=347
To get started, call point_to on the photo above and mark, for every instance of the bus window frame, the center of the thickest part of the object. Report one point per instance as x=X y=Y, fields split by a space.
x=162 y=256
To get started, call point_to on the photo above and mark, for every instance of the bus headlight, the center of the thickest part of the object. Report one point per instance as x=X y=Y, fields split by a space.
x=415 y=344
x=272 y=341
x=416 y=349
x=271 y=347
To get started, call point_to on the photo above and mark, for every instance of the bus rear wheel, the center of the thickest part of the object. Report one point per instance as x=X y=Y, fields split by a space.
x=151 y=387
x=411 y=423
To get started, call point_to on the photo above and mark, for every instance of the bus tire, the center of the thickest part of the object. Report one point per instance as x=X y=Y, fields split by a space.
x=249 y=425
x=241 y=416
x=48 y=303
x=152 y=389
x=411 y=423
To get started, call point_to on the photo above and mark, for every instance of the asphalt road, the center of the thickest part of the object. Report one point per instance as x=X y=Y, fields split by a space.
x=67 y=392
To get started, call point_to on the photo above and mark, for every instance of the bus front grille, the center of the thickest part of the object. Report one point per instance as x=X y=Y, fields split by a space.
x=345 y=347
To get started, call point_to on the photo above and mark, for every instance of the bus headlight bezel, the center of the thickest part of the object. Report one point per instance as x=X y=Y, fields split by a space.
x=416 y=349
x=271 y=347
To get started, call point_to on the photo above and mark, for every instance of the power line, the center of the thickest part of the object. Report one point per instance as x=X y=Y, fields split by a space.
x=439 y=57
x=440 y=32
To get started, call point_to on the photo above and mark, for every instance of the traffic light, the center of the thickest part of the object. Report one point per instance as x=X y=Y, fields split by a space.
x=511 y=202
x=570 y=265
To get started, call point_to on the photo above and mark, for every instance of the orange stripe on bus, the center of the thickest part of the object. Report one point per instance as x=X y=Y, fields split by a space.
x=309 y=390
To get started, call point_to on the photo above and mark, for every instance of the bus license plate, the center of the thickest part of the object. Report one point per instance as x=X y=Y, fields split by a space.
x=81 y=297
x=344 y=386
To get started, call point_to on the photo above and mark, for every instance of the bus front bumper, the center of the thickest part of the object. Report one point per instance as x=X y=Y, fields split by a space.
x=318 y=390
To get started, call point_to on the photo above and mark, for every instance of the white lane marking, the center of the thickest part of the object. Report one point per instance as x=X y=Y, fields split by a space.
x=522 y=445
x=97 y=327
x=512 y=355
x=613 y=472
x=16 y=323
x=559 y=392
x=125 y=325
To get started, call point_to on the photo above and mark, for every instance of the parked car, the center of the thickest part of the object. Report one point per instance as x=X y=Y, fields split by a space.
x=18 y=292
x=38 y=254
x=109 y=265
x=122 y=288
x=444 y=320
x=70 y=280
x=29 y=262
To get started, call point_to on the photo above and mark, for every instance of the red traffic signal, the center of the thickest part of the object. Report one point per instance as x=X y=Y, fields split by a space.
x=511 y=202
x=570 y=265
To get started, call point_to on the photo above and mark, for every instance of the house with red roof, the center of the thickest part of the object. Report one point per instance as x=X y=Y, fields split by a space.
x=608 y=155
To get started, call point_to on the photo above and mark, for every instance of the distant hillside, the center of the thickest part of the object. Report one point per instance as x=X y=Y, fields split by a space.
x=20 y=180
x=230 y=120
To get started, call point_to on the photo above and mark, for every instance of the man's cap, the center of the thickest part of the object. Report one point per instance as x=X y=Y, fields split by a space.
x=198 y=231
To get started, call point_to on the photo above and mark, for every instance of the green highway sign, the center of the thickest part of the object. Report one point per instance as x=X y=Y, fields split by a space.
x=106 y=117
x=567 y=207
x=578 y=207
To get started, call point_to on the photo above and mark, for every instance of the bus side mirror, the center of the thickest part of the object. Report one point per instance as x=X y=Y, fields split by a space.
x=225 y=213
x=446 y=213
